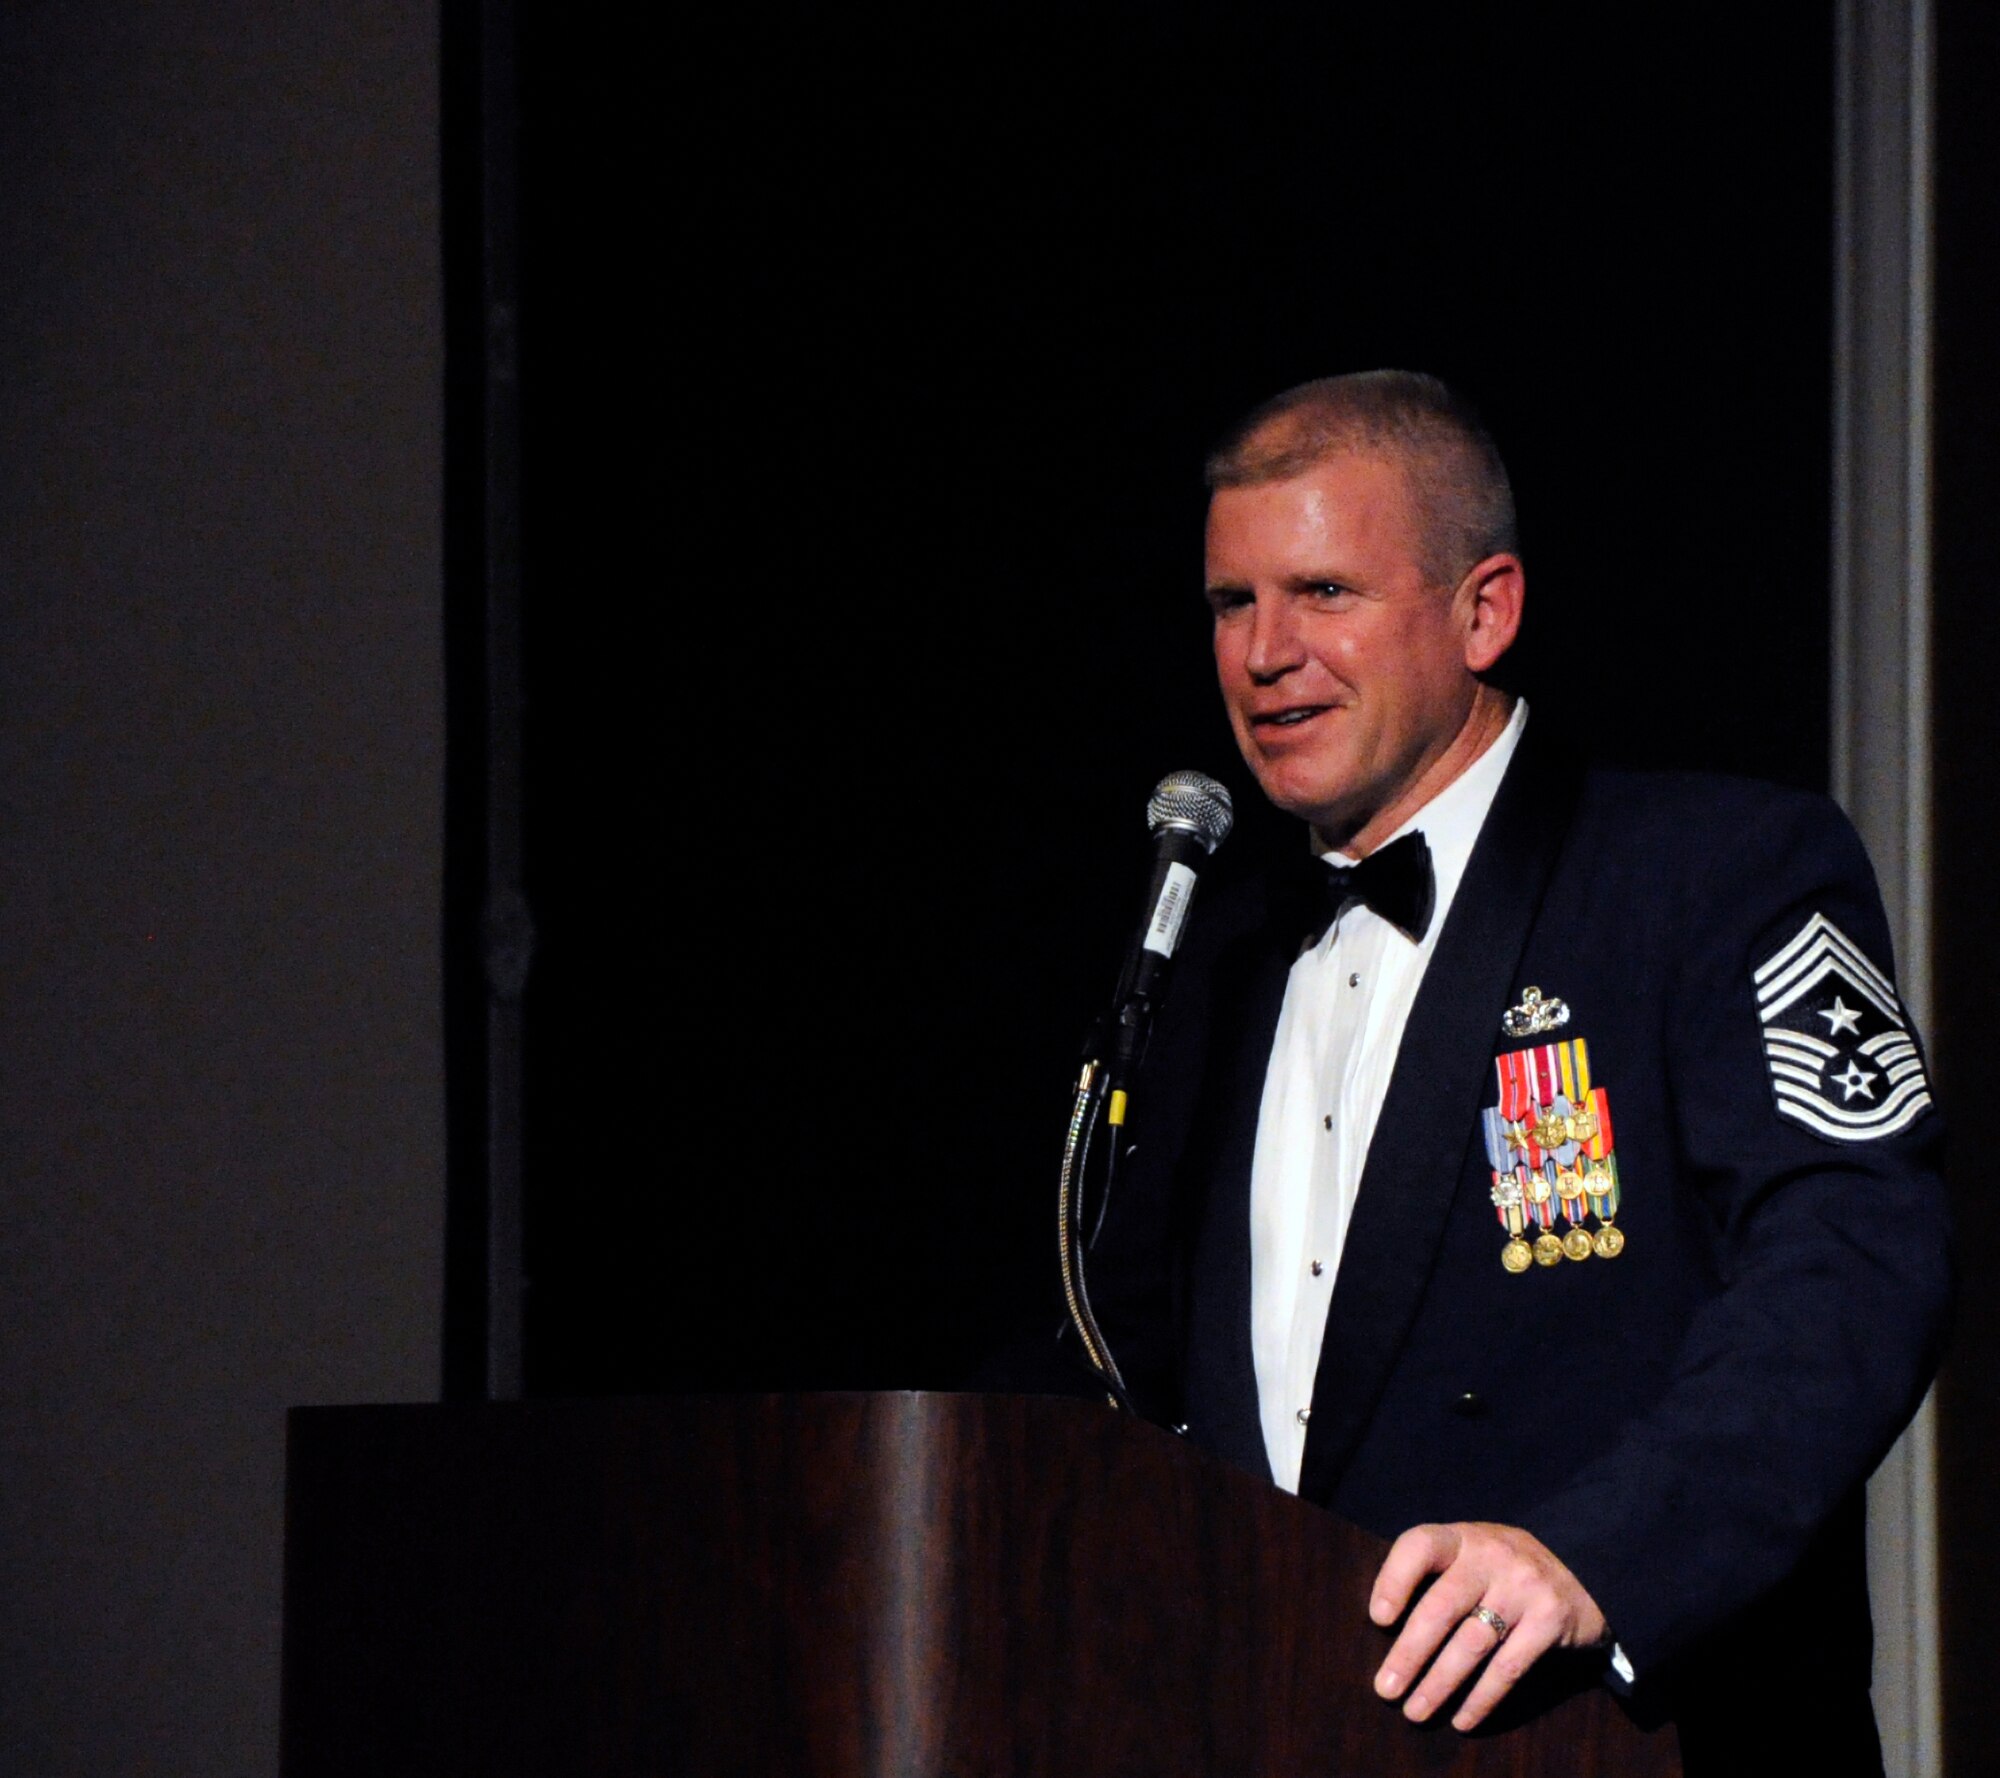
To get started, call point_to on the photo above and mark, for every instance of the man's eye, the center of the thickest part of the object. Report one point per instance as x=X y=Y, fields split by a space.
x=1328 y=589
x=1222 y=600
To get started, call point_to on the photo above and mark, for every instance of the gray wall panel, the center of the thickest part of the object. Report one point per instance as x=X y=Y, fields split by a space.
x=221 y=1148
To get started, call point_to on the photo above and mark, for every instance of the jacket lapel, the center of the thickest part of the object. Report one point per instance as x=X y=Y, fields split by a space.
x=1221 y=1400
x=1430 y=1114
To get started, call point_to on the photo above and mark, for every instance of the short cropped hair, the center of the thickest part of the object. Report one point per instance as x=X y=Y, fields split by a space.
x=1464 y=502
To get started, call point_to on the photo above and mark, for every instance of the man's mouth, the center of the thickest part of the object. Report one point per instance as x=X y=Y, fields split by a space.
x=1283 y=719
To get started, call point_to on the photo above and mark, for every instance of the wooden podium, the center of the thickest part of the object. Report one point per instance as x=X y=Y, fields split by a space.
x=862 y=1586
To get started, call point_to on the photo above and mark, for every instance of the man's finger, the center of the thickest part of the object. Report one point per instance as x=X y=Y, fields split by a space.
x=1421 y=1550
x=1469 y=1644
x=1437 y=1615
x=1522 y=1647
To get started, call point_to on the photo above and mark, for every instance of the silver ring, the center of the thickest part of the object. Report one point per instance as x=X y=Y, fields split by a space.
x=1493 y=1621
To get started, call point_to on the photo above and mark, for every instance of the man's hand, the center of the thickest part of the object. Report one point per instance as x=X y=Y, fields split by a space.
x=1499 y=1569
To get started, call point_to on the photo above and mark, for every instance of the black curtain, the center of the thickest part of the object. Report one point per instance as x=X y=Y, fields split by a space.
x=868 y=358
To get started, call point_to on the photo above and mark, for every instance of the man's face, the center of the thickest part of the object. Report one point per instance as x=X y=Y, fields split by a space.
x=1344 y=672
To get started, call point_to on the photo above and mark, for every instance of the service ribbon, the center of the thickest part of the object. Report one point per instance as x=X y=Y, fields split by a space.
x=1601 y=1180
x=1543 y=1073
x=1516 y=1103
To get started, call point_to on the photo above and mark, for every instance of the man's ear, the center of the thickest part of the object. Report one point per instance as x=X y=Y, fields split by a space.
x=1489 y=601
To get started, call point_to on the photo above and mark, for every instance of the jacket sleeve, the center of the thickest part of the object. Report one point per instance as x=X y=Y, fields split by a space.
x=1828 y=1224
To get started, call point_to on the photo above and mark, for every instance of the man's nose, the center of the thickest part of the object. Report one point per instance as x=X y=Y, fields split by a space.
x=1274 y=638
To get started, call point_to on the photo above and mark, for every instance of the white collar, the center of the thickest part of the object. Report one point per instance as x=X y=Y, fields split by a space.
x=1451 y=820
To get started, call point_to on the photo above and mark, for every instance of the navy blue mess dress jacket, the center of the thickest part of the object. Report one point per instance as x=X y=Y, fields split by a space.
x=1688 y=1424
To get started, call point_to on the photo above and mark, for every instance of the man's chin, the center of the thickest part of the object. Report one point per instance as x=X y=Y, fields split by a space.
x=1332 y=818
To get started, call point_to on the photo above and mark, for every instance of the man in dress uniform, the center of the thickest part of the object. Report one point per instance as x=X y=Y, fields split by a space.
x=1544 y=1173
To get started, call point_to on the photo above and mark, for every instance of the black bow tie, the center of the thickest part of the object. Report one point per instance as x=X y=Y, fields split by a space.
x=1395 y=881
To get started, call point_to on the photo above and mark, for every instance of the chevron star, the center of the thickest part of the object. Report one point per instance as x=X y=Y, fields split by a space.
x=1841 y=1017
x=1857 y=1079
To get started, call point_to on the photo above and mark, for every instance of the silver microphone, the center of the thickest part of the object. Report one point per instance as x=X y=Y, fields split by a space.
x=1189 y=814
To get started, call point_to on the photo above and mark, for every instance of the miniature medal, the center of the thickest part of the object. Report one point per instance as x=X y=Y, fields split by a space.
x=1516 y=1256
x=1601 y=1181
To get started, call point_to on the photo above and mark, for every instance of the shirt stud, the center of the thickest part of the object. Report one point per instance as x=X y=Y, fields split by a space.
x=1327 y=1121
x=1319 y=1266
x=1305 y=1414
x=1354 y=981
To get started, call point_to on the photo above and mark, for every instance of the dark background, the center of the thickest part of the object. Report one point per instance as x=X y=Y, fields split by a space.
x=868 y=360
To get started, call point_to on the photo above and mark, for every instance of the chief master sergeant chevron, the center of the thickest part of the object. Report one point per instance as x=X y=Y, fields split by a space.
x=1558 y=1192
